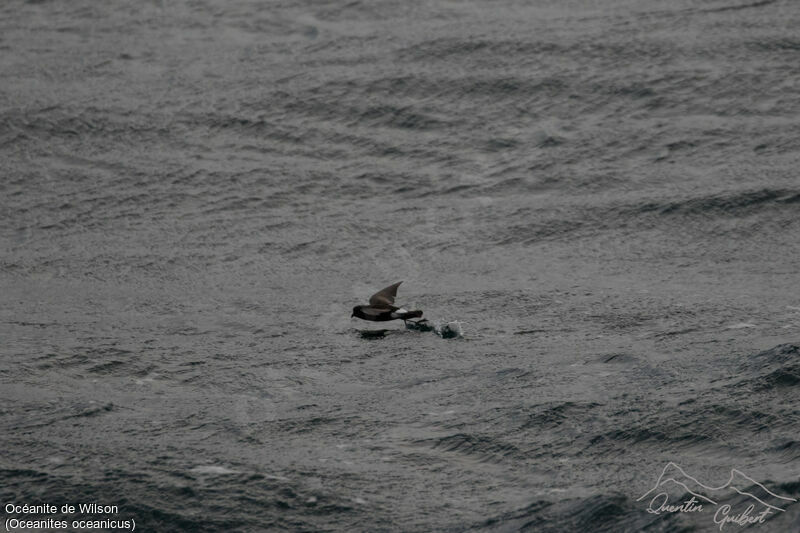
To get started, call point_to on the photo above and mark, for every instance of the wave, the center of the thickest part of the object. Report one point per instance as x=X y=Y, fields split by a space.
x=750 y=5
x=694 y=212
x=731 y=204
x=771 y=370
x=553 y=416
x=611 y=512
x=481 y=448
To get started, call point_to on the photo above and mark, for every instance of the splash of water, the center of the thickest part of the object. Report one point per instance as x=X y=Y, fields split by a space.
x=446 y=330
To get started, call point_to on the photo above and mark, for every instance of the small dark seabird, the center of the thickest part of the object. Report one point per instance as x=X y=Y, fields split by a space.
x=381 y=307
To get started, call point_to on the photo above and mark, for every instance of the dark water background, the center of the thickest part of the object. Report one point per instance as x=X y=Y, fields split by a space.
x=193 y=195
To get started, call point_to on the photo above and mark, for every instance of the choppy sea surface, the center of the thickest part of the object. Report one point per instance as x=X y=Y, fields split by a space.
x=602 y=195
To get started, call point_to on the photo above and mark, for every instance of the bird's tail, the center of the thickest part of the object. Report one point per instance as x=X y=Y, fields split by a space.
x=409 y=314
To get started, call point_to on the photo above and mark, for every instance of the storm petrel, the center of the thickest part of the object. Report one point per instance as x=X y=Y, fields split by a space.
x=381 y=307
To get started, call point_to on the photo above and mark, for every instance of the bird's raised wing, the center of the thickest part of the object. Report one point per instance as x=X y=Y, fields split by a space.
x=385 y=297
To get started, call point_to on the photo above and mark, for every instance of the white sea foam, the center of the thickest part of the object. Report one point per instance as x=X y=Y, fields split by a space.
x=446 y=330
x=449 y=330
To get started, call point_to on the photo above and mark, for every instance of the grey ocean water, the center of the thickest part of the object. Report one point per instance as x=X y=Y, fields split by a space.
x=193 y=195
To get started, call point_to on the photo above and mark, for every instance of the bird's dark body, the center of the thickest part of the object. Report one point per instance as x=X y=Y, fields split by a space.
x=376 y=314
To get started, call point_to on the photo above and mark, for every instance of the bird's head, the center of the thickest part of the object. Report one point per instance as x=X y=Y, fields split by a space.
x=355 y=311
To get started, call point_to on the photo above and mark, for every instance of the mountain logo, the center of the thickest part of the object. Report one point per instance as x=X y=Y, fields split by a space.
x=674 y=483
